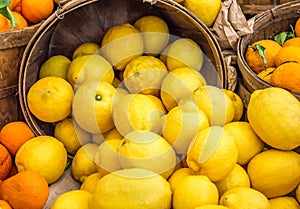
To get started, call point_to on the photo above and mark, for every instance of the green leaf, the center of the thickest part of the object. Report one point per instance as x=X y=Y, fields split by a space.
x=283 y=36
x=4 y=3
x=5 y=11
x=262 y=53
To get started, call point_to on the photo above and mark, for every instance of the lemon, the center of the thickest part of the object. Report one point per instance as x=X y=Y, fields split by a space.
x=87 y=48
x=56 y=65
x=72 y=200
x=238 y=177
x=273 y=113
x=50 y=99
x=180 y=83
x=155 y=33
x=275 y=172
x=43 y=154
x=284 y=202
x=136 y=112
x=89 y=68
x=71 y=135
x=182 y=123
x=113 y=134
x=248 y=143
x=211 y=206
x=298 y=192
x=216 y=104
x=244 y=197
x=98 y=138
x=106 y=158
x=213 y=152
x=83 y=162
x=125 y=37
x=158 y=103
x=193 y=191
x=177 y=176
x=89 y=184
x=211 y=8
x=145 y=149
x=237 y=104
x=184 y=52
x=144 y=75
x=92 y=106
x=133 y=188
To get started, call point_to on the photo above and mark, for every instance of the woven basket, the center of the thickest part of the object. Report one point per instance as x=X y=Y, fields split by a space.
x=253 y=7
x=12 y=47
x=267 y=24
x=82 y=21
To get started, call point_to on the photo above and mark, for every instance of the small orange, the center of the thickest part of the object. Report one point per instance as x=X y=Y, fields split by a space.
x=4 y=205
x=21 y=21
x=292 y=42
x=266 y=74
x=38 y=10
x=4 y=24
x=15 y=5
x=14 y=134
x=5 y=163
x=287 y=53
x=297 y=28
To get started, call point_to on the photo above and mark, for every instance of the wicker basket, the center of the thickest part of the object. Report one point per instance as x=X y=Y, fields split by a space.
x=87 y=20
x=12 y=47
x=267 y=24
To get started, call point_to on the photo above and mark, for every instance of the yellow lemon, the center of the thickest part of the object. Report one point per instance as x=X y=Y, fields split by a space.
x=248 y=143
x=50 y=99
x=273 y=113
x=193 y=191
x=89 y=68
x=92 y=106
x=211 y=8
x=71 y=135
x=237 y=104
x=155 y=33
x=298 y=192
x=83 y=162
x=125 y=37
x=89 y=184
x=177 y=177
x=87 y=48
x=184 y=52
x=98 y=138
x=136 y=112
x=43 y=154
x=72 y=200
x=133 y=188
x=144 y=75
x=244 y=197
x=56 y=65
x=216 y=104
x=180 y=83
x=284 y=202
x=238 y=177
x=106 y=158
x=275 y=172
x=158 y=103
x=145 y=149
x=211 y=206
x=213 y=152
x=113 y=134
x=182 y=123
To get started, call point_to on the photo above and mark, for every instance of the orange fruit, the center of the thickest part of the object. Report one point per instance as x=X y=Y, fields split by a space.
x=287 y=76
x=297 y=27
x=4 y=205
x=25 y=190
x=4 y=24
x=287 y=53
x=266 y=74
x=14 y=134
x=292 y=42
x=255 y=61
x=38 y=10
x=5 y=162
x=15 y=5
x=21 y=21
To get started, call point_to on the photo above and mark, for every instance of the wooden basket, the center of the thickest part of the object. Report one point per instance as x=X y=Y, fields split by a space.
x=266 y=26
x=82 y=21
x=12 y=46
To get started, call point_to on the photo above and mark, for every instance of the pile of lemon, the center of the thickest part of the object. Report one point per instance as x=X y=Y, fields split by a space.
x=147 y=131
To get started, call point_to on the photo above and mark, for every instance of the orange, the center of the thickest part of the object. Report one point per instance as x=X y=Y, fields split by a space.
x=14 y=134
x=25 y=190
x=266 y=74
x=292 y=42
x=255 y=61
x=21 y=21
x=297 y=27
x=4 y=24
x=5 y=162
x=4 y=205
x=287 y=76
x=15 y=5
x=37 y=10
x=287 y=53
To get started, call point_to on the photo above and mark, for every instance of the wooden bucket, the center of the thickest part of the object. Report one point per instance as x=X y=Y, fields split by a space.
x=266 y=26
x=12 y=46
x=253 y=7
x=82 y=21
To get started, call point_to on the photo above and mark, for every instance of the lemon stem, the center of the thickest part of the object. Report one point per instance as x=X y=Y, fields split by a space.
x=5 y=11
x=98 y=97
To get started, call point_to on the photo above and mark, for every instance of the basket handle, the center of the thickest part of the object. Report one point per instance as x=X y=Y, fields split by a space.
x=69 y=5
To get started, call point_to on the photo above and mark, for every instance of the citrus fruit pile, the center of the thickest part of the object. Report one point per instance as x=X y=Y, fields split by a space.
x=276 y=61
